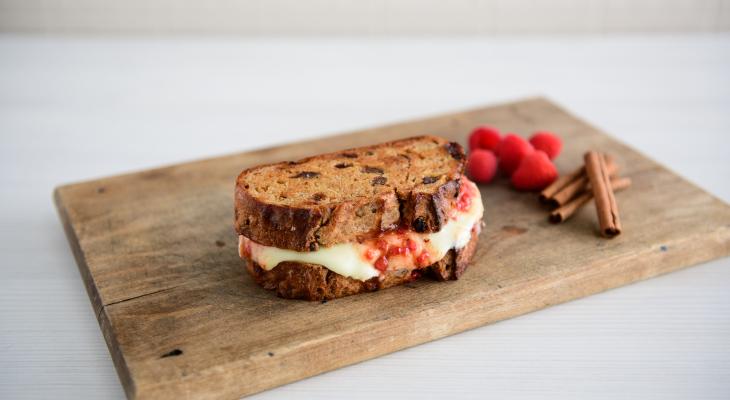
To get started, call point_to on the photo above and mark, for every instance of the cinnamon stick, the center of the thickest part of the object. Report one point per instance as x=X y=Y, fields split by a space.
x=568 y=209
x=560 y=183
x=598 y=176
x=578 y=185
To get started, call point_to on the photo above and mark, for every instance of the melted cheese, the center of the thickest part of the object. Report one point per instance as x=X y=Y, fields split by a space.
x=347 y=258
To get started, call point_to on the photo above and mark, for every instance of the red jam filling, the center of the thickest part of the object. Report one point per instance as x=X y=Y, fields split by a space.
x=465 y=198
x=403 y=248
x=371 y=254
x=381 y=264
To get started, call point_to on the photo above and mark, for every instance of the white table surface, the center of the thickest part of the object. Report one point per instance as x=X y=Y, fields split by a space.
x=74 y=109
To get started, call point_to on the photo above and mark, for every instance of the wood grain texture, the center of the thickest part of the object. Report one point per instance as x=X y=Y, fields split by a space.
x=157 y=252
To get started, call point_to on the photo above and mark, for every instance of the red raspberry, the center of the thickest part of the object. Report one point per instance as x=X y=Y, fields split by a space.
x=484 y=137
x=412 y=245
x=464 y=202
x=512 y=150
x=397 y=251
x=381 y=264
x=547 y=142
x=535 y=172
x=481 y=165
x=370 y=254
x=423 y=259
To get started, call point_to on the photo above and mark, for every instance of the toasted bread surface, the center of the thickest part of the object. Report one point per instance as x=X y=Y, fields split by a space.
x=344 y=196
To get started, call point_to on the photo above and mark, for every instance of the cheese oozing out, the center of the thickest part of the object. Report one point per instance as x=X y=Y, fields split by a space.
x=396 y=249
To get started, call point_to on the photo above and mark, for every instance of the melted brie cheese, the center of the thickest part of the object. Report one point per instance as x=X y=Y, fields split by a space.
x=345 y=259
x=348 y=259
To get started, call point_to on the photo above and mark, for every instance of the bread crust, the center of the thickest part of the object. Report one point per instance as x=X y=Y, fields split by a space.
x=421 y=202
x=294 y=280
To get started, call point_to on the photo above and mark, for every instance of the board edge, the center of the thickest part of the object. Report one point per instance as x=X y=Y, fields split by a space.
x=99 y=309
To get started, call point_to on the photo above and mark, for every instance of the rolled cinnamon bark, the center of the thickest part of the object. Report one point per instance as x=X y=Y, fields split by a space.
x=566 y=211
x=578 y=185
x=606 y=208
x=560 y=183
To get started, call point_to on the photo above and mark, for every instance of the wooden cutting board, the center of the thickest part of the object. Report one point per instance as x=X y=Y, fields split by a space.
x=182 y=319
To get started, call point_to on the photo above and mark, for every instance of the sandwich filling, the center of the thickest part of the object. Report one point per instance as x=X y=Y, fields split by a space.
x=398 y=249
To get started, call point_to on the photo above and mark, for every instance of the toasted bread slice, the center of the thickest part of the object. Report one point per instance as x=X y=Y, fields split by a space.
x=295 y=280
x=345 y=196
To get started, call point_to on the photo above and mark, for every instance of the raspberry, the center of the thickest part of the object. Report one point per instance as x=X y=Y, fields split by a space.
x=412 y=245
x=547 y=142
x=511 y=151
x=381 y=264
x=535 y=172
x=423 y=259
x=481 y=165
x=370 y=254
x=397 y=251
x=484 y=137
x=463 y=203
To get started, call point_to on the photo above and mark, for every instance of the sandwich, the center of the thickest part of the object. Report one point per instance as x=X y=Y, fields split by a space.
x=358 y=220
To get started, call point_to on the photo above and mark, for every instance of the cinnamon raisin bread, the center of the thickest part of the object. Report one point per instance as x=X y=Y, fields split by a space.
x=358 y=220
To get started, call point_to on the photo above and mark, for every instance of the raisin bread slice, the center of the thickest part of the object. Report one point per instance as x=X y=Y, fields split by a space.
x=344 y=196
x=295 y=280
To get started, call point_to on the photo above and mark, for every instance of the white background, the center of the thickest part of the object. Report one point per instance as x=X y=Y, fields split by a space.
x=75 y=108
x=370 y=17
